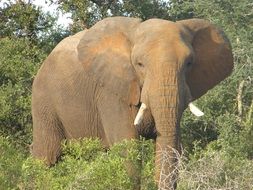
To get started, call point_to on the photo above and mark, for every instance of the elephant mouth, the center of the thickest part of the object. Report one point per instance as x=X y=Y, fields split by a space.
x=140 y=115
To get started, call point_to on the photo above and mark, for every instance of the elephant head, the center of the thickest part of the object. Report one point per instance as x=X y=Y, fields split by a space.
x=160 y=64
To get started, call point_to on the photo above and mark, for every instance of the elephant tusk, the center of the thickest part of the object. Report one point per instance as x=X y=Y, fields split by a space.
x=195 y=110
x=140 y=114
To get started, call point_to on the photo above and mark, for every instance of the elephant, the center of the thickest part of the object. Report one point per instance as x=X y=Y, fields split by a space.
x=123 y=77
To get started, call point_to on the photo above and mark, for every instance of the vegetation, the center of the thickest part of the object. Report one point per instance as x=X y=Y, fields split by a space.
x=218 y=147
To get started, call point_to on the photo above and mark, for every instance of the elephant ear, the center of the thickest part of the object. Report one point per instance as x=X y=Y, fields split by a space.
x=213 y=56
x=104 y=51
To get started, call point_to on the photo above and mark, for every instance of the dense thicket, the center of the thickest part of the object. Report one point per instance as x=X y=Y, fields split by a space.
x=218 y=147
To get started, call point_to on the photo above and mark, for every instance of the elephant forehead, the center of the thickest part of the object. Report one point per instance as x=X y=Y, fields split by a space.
x=162 y=50
x=164 y=40
x=157 y=29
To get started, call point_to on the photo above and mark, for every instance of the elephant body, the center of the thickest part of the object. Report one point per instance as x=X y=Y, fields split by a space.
x=68 y=102
x=61 y=91
x=93 y=83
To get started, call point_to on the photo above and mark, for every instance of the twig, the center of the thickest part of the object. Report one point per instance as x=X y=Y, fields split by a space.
x=239 y=99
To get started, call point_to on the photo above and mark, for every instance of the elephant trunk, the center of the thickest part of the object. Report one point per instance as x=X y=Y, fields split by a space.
x=166 y=104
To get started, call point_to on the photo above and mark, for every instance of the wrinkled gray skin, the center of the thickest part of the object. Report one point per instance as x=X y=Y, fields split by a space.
x=93 y=83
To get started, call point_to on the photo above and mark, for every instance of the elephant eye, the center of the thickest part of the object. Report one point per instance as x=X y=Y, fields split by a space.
x=140 y=64
x=188 y=64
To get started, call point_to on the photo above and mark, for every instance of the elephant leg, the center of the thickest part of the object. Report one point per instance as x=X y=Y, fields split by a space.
x=117 y=120
x=47 y=136
x=118 y=123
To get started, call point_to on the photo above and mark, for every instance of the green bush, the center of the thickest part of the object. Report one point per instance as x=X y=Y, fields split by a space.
x=19 y=62
x=10 y=164
x=87 y=165
x=224 y=120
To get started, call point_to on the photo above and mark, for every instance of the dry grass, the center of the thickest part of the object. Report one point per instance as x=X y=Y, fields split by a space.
x=213 y=171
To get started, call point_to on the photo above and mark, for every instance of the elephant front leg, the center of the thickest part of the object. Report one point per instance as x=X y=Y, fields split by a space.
x=117 y=122
x=116 y=119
